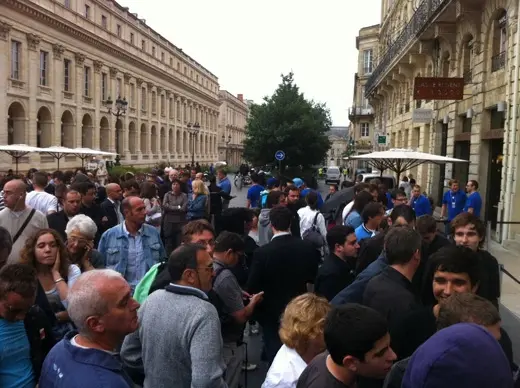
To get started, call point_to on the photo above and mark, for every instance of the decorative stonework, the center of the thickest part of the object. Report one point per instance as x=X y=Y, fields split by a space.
x=159 y=90
x=58 y=50
x=33 y=41
x=113 y=72
x=4 y=30
x=127 y=77
x=139 y=81
x=150 y=85
x=98 y=65
x=80 y=59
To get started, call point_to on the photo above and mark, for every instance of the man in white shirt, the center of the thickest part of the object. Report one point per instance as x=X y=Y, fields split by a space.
x=39 y=199
x=16 y=213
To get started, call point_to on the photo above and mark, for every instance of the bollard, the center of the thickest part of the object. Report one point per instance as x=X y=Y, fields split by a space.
x=488 y=234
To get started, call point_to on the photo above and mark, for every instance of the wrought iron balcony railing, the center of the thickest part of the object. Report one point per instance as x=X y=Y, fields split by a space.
x=468 y=77
x=425 y=14
x=360 y=111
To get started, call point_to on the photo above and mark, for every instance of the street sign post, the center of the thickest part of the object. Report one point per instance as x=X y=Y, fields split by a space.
x=279 y=155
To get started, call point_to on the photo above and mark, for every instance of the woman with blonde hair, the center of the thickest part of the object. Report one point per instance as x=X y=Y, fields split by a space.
x=301 y=332
x=198 y=201
x=47 y=253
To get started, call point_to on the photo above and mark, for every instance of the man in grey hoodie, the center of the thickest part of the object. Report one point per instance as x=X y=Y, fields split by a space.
x=179 y=343
x=265 y=233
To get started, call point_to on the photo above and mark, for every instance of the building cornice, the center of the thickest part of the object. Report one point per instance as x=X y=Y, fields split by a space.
x=34 y=11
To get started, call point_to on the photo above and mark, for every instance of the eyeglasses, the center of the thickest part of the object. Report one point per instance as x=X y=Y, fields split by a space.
x=76 y=240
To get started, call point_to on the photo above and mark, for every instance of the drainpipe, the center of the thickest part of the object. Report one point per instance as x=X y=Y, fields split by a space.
x=509 y=195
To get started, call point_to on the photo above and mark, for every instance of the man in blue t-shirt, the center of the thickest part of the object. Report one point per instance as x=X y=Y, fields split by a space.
x=453 y=202
x=419 y=202
x=253 y=194
x=474 y=202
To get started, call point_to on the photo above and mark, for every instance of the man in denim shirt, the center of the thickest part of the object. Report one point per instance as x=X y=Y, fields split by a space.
x=132 y=247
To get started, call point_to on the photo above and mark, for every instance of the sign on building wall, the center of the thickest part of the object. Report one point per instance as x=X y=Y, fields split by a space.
x=426 y=88
x=422 y=116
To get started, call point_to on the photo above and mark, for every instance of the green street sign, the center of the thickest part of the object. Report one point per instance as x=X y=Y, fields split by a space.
x=381 y=139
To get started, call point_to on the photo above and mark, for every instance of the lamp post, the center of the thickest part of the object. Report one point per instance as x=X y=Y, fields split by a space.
x=193 y=129
x=226 y=142
x=120 y=110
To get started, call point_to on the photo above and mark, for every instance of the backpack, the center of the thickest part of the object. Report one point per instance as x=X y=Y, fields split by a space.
x=313 y=235
x=142 y=290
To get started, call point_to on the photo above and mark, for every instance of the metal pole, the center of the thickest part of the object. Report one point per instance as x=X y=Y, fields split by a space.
x=192 y=149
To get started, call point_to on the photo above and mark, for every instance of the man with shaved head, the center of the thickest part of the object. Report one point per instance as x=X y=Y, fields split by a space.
x=21 y=221
x=111 y=207
x=132 y=247
x=102 y=308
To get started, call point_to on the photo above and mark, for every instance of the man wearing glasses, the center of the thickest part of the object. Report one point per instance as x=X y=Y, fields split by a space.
x=398 y=197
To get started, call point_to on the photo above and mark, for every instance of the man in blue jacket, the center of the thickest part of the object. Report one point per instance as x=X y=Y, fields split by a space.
x=102 y=308
x=419 y=202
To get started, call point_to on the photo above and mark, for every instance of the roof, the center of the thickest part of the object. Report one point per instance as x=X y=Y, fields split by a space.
x=340 y=132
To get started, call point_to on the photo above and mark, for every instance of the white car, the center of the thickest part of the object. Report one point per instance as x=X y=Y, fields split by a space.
x=333 y=175
x=387 y=180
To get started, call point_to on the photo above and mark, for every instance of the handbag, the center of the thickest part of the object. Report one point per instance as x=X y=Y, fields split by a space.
x=313 y=235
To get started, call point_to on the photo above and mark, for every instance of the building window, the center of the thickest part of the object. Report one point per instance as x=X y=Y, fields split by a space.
x=132 y=95
x=191 y=74
x=66 y=75
x=153 y=51
x=368 y=59
x=87 y=11
x=163 y=105
x=197 y=78
x=119 y=30
x=119 y=85
x=178 y=66
x=143 y=45
x=104 y=85
x=364 y=130
x=103 y=21
x=132 y=38
x=171 y=62
x=67 y=3
x=185 y=70
x=44 y=56
x=86 y=90
x=15 y=59
x=143 y=98
x=162 y=57
x=154 y=103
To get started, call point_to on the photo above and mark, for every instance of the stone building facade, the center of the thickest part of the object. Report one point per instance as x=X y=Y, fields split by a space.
x=338 y=137
x=62 y=59
x=476 y=40
x=232 y=127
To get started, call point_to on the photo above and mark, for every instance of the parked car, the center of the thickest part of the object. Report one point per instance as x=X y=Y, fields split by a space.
x=388 y=180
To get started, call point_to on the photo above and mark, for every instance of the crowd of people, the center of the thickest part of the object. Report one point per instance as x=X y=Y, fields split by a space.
x=154 y=282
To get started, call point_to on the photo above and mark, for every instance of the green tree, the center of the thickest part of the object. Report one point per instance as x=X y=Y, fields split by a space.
x=287 y=121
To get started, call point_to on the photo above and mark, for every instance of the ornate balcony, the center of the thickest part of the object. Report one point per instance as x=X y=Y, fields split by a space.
x=357 y=112
x=425 y=14
x=498 y=61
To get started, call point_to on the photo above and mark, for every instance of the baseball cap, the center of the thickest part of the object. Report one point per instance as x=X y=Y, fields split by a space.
x=272 y=182
x=298 y=182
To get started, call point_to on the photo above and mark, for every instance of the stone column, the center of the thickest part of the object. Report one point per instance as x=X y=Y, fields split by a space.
x=159 y=121
x=96 y=95
x=112 y=146
x=5 y=49
x=33 y=81
x=57 y=51
x=149 y=109
x=126 y=130
x=138 y=86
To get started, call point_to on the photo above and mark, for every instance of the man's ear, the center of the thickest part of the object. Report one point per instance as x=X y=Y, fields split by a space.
x=474 y=289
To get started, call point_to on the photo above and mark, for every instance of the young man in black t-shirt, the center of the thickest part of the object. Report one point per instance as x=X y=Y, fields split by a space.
x=358 y=346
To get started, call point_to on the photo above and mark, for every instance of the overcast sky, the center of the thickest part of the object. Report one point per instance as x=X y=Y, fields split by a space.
x=247 y=44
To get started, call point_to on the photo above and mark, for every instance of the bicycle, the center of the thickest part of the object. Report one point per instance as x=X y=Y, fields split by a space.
x=242 y=180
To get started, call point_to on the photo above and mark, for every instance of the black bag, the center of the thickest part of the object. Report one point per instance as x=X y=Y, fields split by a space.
x=313 y=235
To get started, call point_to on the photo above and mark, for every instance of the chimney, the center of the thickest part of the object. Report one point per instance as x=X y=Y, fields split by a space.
x=240 y=97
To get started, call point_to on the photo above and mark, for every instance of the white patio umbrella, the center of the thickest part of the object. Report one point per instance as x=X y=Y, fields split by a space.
x=401 y=159
x=84 y=153
x=18 y=151
x=58 y=152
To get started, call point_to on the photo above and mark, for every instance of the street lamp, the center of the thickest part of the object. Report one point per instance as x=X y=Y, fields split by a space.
x=226 y=143
x=193 y=129
x=120 y=110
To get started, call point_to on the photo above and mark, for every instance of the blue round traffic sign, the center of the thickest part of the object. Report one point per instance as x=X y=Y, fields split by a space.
x=279 y=155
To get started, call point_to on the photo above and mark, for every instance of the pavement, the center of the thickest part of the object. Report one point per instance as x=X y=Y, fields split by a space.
x=509 y=301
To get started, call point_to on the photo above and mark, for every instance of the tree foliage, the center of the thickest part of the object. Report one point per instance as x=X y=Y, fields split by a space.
x=287 y=121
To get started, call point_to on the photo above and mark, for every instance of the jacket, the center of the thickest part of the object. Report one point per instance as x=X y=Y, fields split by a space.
x=197 y=207
x=108 y=209
x=464 y=355
x=334 y=275
x=265 y=233
x=69 y=366
x=282 y=270
x=39 y=333
x=175 y=207
x=354 y=292
x=114 y=247
x=58 y=221
x=178 y=342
